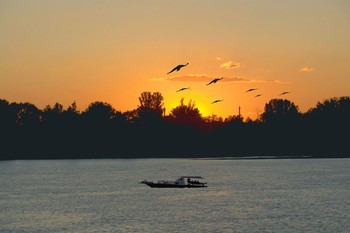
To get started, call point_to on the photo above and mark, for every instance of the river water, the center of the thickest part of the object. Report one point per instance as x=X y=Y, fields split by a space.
x=260 y=195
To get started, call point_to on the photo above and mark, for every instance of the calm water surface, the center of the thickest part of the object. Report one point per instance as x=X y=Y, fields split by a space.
x=299 y=195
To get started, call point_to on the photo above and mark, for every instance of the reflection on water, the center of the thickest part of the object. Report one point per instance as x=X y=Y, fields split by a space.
x=242 y=196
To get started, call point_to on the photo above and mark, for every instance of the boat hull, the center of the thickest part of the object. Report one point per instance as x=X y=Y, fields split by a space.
x=157 y=185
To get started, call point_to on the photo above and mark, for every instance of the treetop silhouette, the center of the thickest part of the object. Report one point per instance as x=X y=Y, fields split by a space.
x=100 y=131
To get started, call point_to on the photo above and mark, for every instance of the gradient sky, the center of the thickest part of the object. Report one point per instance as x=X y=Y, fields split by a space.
x=111 y=51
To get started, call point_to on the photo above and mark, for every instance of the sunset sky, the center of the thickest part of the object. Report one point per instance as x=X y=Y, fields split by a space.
x=112 y=50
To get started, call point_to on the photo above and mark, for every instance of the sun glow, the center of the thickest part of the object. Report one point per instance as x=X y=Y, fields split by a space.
x=203 y=109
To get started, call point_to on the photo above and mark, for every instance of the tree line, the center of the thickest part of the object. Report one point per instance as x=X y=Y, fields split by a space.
x=100 y=131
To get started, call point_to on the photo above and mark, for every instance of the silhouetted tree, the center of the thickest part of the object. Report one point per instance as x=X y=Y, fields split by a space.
x=334 y=110
x=119 y=120
x=98 y=113
x=72 y=114
x=214 y=119
x=27 y=114
x=186 y=114
x=73 y=108
x=53 y=115
x=249 y=120
x=131 y=116
x=151 y=107
x=7 y=115
x=327 y=124
x=234 y=119
x=280 y=111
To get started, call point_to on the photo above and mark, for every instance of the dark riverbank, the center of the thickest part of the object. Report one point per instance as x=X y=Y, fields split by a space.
x=171 y=141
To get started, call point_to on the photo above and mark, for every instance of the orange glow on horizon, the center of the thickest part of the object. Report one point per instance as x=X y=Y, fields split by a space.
x=119 y=49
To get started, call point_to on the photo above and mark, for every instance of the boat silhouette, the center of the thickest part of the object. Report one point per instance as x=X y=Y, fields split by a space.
x=181 y=182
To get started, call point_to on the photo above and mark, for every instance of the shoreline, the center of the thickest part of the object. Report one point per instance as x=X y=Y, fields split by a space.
x=268 y=157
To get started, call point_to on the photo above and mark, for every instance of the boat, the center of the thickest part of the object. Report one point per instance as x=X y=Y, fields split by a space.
x=181 y=182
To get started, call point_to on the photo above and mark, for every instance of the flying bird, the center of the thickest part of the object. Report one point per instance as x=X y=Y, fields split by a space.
x=258 y=95
x=286 y=92
x=182 y=89
x=177 y=68
x=214 y=80
x=217 y=101
x=252 y=89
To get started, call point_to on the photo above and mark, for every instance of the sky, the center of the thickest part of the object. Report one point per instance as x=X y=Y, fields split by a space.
x=113 y=50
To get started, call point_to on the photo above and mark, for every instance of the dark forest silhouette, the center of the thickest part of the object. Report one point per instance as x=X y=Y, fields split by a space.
x=100 y=131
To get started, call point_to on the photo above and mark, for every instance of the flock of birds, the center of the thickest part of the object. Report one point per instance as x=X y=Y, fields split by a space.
x=178 y=67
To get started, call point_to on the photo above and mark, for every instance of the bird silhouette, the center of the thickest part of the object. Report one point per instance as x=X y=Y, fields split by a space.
x=177 y=68
x=217 y=101
x=182 y=89
x=252 y=89
x=214 y=80
x=284 y=93
x=258 y=95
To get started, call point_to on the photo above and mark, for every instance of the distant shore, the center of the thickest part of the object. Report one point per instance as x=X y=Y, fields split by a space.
x=263 y=157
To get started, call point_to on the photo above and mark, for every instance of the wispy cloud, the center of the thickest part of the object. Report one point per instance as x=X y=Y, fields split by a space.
x=306 y=69
x=268 y=81
x=204 y=78
x=156 y=79
x=218 y=58
x=230 y=65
